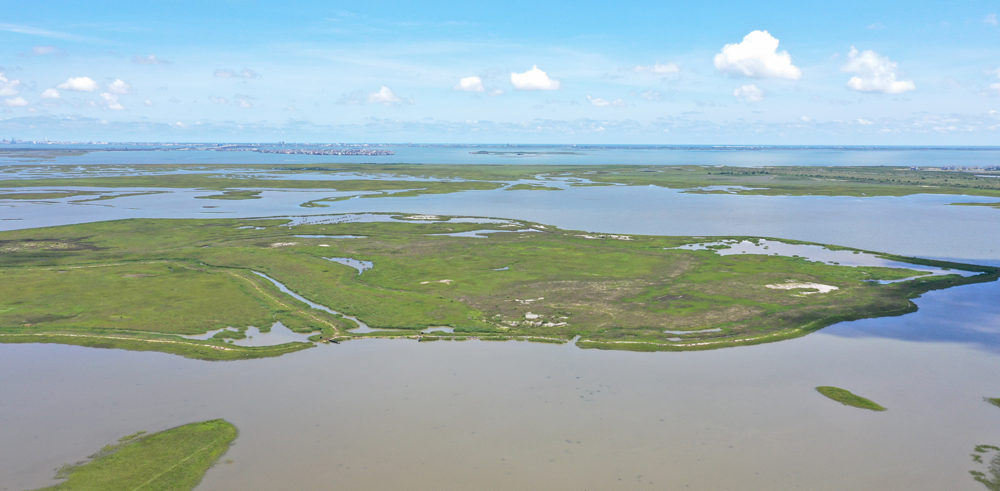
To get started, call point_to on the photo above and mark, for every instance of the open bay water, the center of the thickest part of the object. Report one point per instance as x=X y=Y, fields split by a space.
x=397 y=414
x=742 y=156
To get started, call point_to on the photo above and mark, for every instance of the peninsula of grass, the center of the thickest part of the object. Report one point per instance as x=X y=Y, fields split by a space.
x=846 y=398
x=171 y=460
x=993 y=400
x=145 y=284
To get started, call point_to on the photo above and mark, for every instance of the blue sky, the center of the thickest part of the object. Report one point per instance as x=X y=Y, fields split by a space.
x=515 y=72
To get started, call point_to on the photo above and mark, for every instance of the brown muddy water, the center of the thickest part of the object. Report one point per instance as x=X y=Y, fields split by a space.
x=397 y=414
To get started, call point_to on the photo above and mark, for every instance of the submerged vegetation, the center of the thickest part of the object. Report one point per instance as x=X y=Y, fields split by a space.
x=142 y=284
x=171 y=460
x=982 y=455
x=846 y=398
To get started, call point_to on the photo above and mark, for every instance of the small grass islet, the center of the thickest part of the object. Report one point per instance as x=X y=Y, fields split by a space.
x=170 y=460
x=846 y=398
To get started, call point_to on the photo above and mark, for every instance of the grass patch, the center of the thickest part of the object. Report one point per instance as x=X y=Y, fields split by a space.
x=234 y=194
x=846 y=398
x=993 y=400
x=174 y=460
x=532 y=187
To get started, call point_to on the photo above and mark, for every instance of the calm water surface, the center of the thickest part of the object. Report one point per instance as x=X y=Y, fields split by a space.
x=396 y=414
x=561 y=155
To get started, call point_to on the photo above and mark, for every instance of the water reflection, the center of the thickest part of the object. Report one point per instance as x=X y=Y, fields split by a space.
x=279 y=334
x=968 y=314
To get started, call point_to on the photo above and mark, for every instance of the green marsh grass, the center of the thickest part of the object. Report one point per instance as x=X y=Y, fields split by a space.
x=170 y=460
x=846 y=398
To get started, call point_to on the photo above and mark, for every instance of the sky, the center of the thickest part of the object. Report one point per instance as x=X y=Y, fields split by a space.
x=586 y=72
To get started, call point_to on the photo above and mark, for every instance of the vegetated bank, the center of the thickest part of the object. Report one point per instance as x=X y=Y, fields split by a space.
x=141 y=284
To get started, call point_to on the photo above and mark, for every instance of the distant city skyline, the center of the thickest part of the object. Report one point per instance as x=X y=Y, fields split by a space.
x=774 y=73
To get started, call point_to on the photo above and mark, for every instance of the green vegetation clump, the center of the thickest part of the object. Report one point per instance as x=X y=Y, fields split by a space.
x=994 y=204
x=991 y=480
x=171 y=460
x=532 y=187
x=993 y=400
x=234 y=194
x=846 y=398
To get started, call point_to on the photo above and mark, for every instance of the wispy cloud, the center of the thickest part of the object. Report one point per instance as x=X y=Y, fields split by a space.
x=658 y=68
x=44 y=50
x=149 y=60
x=749 y=93
x=34 y=31
x=246 y=73
x=597 y=101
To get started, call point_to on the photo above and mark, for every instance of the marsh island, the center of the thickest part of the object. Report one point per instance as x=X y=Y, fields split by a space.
x=145 y=284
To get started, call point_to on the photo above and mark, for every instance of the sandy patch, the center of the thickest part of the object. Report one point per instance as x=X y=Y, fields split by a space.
x=422 y=217
x=447 y=282
x=528 y=300
x=283 y=244
x=812 y=286
x=606 y=236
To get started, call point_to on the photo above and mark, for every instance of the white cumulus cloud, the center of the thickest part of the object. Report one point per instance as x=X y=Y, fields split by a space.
x=470 y=84
x=79 y=84
x=658 y=68
x=385 y=97
x=749 y=93
x=16 y=102
x=8 y=87
x=110 y=101
x=533 y=79
x=43 y=50
x=865 y=122
x=120 y=87
x=148 y=103
x=875 y=73
x=51 y=94
x=757 y=56
x=229 y=73
x=218 y=100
